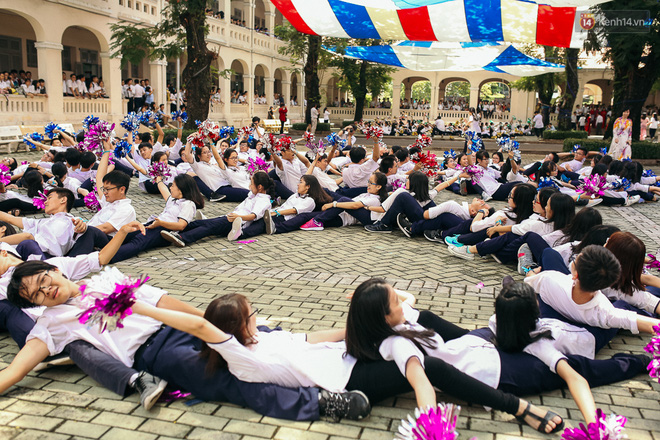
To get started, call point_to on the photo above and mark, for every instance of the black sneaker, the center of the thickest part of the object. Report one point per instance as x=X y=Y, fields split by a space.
x=352 y=405
x=434 y=236
x=404 y=224
x=150 y=388
x=378 y=227
x=53 y=361
x=173 y=237
x=216 y=197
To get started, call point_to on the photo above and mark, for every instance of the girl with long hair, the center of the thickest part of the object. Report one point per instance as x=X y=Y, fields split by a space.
x=182 y=200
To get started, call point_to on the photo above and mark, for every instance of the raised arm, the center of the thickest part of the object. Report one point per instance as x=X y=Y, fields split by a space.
x=188 y=151
x=66 y=139
x=12 y=220
x=376 y=153
x=161 y=133
x=193 y=324
x=135 y=165
x=277 y=160
x=103 y=168
x=302 y=158
x=164 y=190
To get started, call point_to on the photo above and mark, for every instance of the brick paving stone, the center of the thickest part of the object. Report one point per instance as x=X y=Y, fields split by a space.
x=306 y=290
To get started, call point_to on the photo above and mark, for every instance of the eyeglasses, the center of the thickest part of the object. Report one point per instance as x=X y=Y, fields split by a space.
x=105 y=190
x=254 y=312
x=510 y=196
x=371 y=183
x=39 y=296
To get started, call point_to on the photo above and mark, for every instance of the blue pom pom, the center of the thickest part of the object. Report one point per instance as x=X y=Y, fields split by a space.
x=131 y=122
x=575 y=147
x=226 y=132
x=33 y=137
x=603 y=151
x=50 y=128
x=121 y=149
x=197 y=122
x=180 y=114
x=648 y=173
x=90 y=120
x=450 y=153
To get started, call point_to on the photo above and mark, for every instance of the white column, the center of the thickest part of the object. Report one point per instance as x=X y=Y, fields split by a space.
x=301 y=98
x=474 y=97
x=286 y=92
x=49 y=61
x=434 y=101
x=269 y=89
x=396 y=100
x=112 y=81
x=158 y=81
x=270 y=22
x=250 y=90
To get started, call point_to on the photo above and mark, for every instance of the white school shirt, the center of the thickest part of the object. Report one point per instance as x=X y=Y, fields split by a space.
x=461 y=210
x=176 y=209
x=490 y=221
x=144 y=163
x=287 y=359
x=566 y=339
x=72 y=184
x=392 y=197
x=59 y=326
x=174 y=151
x=555 y=289
x=538 y=121
x=357 y=175
x=488 y=182
x=566 y=251
x=183 y=168
x=82 y=87
x=245 y=155
x=647 y=180
x=53 y=234
x=70 y=85
x=256 y=204
x=535 y=223
x=211 y=175
x=300 y=203
x=554 y=238
x=325 y=180
x=138 y=91
x=368 y=200
x=94 y=87
x=405 y=167
x=9 y=194
x=639 y=298
x=340 y=161
x=238 y=178
x=470 y=354
x=74 y=268
x=291 y=173
x=574 y=165
x=117 y=213
x=81 y=175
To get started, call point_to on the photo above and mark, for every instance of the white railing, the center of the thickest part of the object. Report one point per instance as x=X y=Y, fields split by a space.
x=338 y=114
x=85 y=107
x=19 y=110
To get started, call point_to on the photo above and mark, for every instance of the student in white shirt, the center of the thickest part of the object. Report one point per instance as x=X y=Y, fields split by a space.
x=363 y=209
x=489 y=185
x=379 y=327
x=71 y=87
x=212 y=175
x=559 y=212
x=242 y=218
x=116 y=209
x=318 y=169
x=288 y=169
x=238 y=178
x=356 y=175
x=577 y=297
x=53 y=234
x=182 y=201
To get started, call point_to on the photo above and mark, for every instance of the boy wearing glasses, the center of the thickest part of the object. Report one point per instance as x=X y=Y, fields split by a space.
x=116 y=209
x=49 y=237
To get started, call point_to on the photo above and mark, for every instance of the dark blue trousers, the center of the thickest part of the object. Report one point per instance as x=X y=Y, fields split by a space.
x=280 y=189
x=330 y=217
x=351 y=192
x=233 y=194
x=203 y=228
x=551 y=260
x=13 y=320
x=505 y=247
x=26 y=248
x=135 y=243
x=407 y=204
x=203 y=188
x=174 y=356
x=442 y=222
x=87 y=242
x=502 y=193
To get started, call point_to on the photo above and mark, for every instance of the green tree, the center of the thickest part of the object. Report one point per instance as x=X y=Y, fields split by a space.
x=305 y=49
x=457 y=89
x=183 y=24
x=421 y=90
x=635 y=58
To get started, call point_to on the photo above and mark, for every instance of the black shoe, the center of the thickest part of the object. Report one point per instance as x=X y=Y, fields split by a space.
x=352 y=405
x=464 y=188
x=378 y=227
x=173 y=237
x=216 y=197
x=150 y=388
x=404 y=224
x=54 y=361
x=434 y=235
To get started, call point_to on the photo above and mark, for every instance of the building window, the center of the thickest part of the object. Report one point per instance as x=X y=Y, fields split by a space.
x=31 y=53
x=137 y=6
x=146 y=9
x=153 y=11
x=121 y=2
x=130 y=4
x=67 y=58
x=10 y=53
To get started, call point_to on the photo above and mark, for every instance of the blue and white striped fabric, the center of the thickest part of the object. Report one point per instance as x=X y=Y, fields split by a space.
x=457 y=57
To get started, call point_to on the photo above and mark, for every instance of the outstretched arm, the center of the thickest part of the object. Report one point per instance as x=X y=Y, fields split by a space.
x=186 y=322
x=30 y=355
x=579 y=388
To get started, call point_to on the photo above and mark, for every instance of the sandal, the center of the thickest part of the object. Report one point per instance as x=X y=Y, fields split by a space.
x=549 y=415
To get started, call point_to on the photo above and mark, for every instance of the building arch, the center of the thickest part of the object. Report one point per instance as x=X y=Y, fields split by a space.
x=18 y=38
x=495 y=90
x=261 y=72
x=592 y=94
x=239 y=69
x=82 y=49
x=450 y=95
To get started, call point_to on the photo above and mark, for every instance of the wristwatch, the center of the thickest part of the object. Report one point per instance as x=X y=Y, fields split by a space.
x=334 y=204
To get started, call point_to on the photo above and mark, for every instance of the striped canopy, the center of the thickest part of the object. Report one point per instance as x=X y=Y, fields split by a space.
x=460 y=57
x=553 y=23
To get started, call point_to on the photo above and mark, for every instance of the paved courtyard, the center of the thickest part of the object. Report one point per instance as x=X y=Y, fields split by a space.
x=300 y=281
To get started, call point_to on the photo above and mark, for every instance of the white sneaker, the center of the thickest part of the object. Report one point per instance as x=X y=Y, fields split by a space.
x=594 y=202
x=461 y=252
x=270 y=224
x=235 y=229
x=632 y=200
x=485 y=197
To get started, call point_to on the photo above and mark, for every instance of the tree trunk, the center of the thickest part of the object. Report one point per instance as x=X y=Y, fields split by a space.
x=570 y=90
x=361 y=93
x=196 y=74
x=312 y=83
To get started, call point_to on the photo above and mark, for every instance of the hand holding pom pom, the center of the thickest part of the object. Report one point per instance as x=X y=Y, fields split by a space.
x=256 y=164
x=606 y=428
x=160 y=169
x=108 y=311
x=431 y=424
x=50 y=130
x=91 y=202
x=121 y=149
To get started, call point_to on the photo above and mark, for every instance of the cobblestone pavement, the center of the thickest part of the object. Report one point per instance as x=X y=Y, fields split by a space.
x=300 y=281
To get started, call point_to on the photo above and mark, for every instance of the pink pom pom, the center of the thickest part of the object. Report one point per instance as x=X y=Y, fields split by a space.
x=256 y=164
x=108 y=311
x=423 y=141
x=431 y=424
x=309 y=137
x=606 y=428
x=91 y=202
x=429 y=163
x=39 y=201
x=160 y=169
x=593 y=186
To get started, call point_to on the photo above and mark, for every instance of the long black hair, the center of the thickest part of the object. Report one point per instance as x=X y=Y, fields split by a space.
x=316 y=191
x=366 y=324
x=582 y=223
x=9 y=229
x=189 y=190
x=523 y=198
x=563 y=210
x=59 y=170
x=262 y=179
x=381 y=179
x=547 y=167
x=599 y=170
x=418 y=183
x=597 y=235
x=33 y=181
x=517 y=311
x=615 y=168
